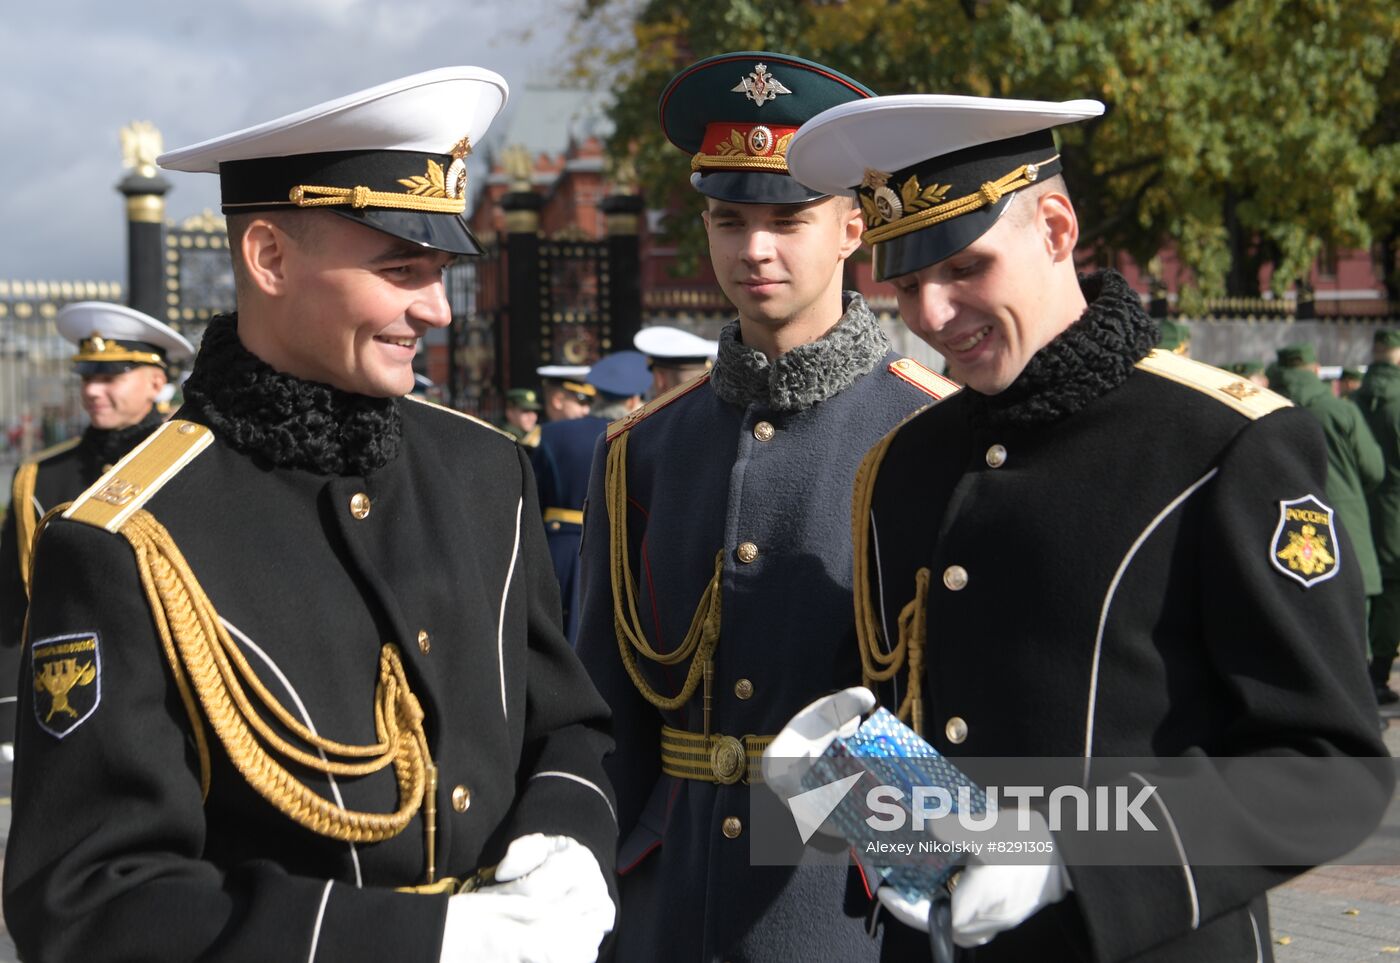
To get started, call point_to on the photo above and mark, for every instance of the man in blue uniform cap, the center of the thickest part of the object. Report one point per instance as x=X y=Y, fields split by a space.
x=1129 y=555
x=716 y=557
x=563 y=455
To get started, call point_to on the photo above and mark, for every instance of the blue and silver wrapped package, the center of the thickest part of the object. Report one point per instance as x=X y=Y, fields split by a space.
x=887 y=753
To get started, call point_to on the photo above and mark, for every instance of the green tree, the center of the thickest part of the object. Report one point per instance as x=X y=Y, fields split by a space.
x=1243 y=132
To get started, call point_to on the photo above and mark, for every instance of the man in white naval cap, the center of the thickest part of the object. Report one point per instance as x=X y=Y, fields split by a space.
x=295 y=684
x=124 y=360
x=1108 y=557
x=567 y=393
x=674 y=356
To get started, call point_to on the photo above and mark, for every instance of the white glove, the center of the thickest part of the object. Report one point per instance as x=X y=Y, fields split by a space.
x=990 y=898
x=550 y=905
x=808 y=734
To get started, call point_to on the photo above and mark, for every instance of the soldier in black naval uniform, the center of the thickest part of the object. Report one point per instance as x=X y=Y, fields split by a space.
x=1095 y=550
x=296 y=684
x=123 y=359
x=563 y=456
x=716 y=555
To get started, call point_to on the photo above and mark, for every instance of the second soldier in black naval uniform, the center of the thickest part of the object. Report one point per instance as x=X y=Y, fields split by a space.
x=296 y=687
x=1095 y=550
x=716 y=555
x=124 y=359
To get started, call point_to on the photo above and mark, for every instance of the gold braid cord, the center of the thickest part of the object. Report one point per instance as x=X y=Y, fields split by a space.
x=988 y=193
x=876 y=664
x=740 y=162
x=309 y=195
x=26 y=519
x=703 y=635
x=208 y=665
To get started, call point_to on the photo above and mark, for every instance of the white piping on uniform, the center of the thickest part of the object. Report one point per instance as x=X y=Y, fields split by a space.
x=505 y=594
x=320 y=917
x=880 y=593
x=306 y=721
x=39 y=509
x=1181 y=851
x=1258 y=947
x=581 y=781
x=1108 y=603
x=9 y=698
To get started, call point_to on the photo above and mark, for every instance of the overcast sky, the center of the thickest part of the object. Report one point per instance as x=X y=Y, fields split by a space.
x=76 y=71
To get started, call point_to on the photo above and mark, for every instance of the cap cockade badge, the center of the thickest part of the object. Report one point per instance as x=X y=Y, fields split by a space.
x=881 y=205
x=1304 y=546
x=760 y=86
x=435 y=183
x=67 y=681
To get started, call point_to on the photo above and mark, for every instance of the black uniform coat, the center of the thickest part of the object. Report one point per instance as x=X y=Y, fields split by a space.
x=113 y=856
x=1114 y=525
x=765 y=455
x=64 y=472
x=561 y=461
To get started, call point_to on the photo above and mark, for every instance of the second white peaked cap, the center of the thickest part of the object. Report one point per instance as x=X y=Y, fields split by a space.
x=832 y=151
x=663 y=343
x=112 y=337
x=932 y=172
x=392 y=156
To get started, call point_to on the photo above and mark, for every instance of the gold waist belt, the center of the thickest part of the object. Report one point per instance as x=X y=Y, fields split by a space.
x=569 y=516
x=716 y=758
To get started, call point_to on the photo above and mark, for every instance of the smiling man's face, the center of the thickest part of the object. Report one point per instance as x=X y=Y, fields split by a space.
x=991 y=306
x=360 y=301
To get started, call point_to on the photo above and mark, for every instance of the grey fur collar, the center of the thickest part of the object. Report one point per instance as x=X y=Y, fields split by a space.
x=808 y=373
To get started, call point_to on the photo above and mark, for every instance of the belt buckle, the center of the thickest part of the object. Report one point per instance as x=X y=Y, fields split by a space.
x=729 y=761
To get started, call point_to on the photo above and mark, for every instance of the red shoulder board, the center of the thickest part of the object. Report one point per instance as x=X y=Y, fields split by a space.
x=934 y=385
x=655 y=405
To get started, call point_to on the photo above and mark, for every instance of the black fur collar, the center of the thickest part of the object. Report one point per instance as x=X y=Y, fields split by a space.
x=808 y=373
x=1089 y=359
x=290 y=422
x=107 y=446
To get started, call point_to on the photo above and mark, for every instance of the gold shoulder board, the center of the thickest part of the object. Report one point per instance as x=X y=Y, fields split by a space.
x=118 y=494
x=58 y=449
x=1241 y=394
x=532 y=438
x=930 y=383
x=460 y=414
x=655 y=405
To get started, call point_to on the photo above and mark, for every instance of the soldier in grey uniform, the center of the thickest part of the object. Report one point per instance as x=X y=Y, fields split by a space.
x=716 y=550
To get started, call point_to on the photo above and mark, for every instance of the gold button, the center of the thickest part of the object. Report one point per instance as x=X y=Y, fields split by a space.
x=743 y=689
x=186 y=428
x=106 y=468
x=359 y=505
x=955 y=729
x=996 y=456
x=955 y=578
x=424 y=643
x=732 y=827
x=747 y=552
x=461 y=798
x=764 y=431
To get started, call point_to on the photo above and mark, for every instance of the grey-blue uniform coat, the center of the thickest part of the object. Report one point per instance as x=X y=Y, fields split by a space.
x=113 y=855
x=703 y=475
x=1102 y=541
